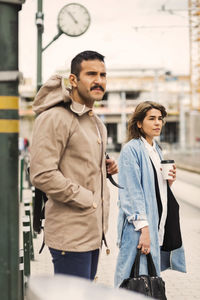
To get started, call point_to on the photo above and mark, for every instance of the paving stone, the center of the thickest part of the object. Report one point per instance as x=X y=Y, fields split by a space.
x=179 y=286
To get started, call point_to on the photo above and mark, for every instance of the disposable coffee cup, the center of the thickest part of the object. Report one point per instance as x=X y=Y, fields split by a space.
x=166 y=166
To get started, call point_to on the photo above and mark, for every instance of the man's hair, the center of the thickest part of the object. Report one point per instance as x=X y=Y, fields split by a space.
x=85 y=55
x=134 y=132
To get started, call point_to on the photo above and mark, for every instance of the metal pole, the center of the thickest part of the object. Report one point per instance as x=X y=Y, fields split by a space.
x=123 y=116
x=182 y=130
x=26 y=241
x=21 y=177
x=53 y=40
x=33 y=205
x=191 y=52
x=27 y=210
x=9 y=129
x=21 y=270
x=40 y=29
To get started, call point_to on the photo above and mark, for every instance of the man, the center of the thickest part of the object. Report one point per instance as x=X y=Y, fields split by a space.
x=68 y=163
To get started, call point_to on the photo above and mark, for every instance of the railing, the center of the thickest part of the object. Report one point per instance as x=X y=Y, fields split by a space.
x=26 y=251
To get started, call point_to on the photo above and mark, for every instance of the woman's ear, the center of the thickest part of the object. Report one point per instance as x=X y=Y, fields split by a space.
x=139 y=124
x=73 y=80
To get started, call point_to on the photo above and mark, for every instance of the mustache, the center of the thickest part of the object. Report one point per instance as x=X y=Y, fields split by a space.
x=97 y=86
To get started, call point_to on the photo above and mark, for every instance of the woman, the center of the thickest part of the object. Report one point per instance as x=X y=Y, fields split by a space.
x=148 y=212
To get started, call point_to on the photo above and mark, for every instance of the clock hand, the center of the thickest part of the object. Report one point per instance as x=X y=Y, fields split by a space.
x=70 y=14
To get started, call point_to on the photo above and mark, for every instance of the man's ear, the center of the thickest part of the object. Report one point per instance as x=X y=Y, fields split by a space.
x=73 y=80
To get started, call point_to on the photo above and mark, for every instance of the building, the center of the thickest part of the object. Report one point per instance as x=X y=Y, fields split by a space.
x=125 y=89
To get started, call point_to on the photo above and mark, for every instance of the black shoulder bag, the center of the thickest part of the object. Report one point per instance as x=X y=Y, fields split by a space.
x=150 y=285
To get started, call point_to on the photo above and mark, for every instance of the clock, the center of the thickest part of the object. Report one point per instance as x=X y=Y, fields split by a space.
x=73 y=19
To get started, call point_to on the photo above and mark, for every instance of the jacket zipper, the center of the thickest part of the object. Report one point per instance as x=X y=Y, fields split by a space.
x=102 y=153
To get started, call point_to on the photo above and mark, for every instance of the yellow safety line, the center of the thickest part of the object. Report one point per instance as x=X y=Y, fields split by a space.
x=9 y=102
x=9 y=126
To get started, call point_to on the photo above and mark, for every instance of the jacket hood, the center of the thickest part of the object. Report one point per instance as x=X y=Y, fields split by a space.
x=50 y=94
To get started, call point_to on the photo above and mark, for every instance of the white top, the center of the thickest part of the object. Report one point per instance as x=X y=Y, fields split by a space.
x=162 y=184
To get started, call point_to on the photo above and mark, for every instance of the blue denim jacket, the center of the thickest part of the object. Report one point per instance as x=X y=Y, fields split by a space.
x=137 y=201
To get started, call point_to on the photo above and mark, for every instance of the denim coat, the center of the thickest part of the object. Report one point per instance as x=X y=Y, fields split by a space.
x=137 y=201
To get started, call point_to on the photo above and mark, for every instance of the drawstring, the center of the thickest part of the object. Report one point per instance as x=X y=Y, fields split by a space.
x=105 y=243
x=77 y=112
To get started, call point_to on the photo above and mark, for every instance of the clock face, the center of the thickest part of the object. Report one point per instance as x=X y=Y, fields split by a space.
x=73 y=19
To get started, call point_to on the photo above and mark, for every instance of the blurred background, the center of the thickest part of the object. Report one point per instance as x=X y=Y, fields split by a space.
x=151 y=53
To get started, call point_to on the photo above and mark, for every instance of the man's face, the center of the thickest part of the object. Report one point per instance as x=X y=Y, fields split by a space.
x=91 y=84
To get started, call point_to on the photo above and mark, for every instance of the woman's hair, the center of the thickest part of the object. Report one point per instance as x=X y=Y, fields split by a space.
x=138 y=116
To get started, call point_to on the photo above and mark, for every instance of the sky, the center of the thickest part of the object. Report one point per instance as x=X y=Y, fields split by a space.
x=129 y=33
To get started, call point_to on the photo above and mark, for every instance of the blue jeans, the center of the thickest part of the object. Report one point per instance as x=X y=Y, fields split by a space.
x=81 y=264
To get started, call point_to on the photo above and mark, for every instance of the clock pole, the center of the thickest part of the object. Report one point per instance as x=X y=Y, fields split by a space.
x=73 y=20
x=40 y=30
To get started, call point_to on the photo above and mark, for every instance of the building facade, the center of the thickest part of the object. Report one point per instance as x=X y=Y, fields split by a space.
x=125 y=89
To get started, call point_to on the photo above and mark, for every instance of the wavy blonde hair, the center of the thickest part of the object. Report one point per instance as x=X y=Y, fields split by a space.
x=138 y=116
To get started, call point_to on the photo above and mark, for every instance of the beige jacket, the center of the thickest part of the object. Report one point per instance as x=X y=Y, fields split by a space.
x=68 y=164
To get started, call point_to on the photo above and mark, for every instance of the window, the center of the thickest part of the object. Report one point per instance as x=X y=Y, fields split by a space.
x=132 y=95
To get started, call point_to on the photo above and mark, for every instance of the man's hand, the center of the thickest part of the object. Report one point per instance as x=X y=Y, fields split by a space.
x=111 y=166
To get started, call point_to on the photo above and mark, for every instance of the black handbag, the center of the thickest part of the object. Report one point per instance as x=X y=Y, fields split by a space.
x=150 y=285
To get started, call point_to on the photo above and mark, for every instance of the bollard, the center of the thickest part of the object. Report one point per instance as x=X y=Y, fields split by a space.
x=26 y=241
x=21 y=270
x=21 y=177
x=27 y=210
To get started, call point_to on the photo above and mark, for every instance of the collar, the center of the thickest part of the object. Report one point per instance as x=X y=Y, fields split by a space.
x=147 y=145
x=79 y=108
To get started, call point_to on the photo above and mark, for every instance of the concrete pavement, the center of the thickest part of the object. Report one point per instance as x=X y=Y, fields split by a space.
x=179 y=286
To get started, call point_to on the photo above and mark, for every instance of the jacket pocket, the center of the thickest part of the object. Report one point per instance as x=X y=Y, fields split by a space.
x=83 y=199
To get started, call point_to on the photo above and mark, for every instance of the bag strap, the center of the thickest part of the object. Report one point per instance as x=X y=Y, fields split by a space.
x=151 y=267
x=109 y=176
x=136 y=265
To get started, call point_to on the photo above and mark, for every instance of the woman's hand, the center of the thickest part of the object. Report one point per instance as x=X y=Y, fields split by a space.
x=173 y=174
x=144 y=241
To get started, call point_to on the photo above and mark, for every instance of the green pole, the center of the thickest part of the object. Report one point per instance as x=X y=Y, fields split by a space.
x=40 y=29
x=9 y=129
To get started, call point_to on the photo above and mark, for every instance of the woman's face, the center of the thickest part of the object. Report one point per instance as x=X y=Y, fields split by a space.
x=152 y=124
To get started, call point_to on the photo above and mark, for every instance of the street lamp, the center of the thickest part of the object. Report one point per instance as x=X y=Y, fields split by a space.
x=73 y=20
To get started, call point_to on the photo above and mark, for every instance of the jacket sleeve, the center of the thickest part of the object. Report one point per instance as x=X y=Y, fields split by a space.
x=49 y=140
x=131 y=198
